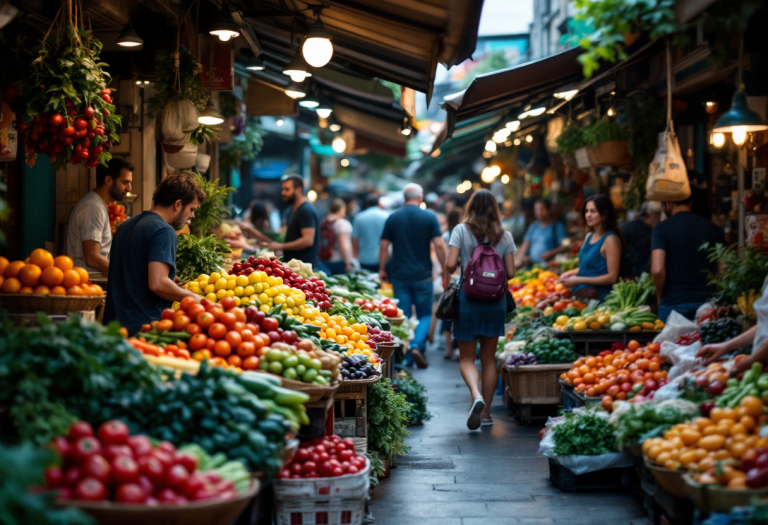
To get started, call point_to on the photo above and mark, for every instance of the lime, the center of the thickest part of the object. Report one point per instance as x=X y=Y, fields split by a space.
x=290 y=373
x=276 y=367
x=309 y=375
x=275 y=355
x=316 y=364
x=291 y=361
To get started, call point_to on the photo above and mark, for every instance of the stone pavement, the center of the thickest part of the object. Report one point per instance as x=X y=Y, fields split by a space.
x=493 y=476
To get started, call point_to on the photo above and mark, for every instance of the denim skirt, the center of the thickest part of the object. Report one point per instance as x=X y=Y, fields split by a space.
x=479 y=318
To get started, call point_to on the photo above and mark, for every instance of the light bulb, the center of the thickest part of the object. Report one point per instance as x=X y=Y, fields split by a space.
x=279 y=122
x=334 y=127
x=505 y=179
x=567 y=95
x=460 y=188
x=513 y=126
x=528 y=138
x=611 y=112
x=339 y=145
x=490 y=146
x=487 y=175
x=516 y=142
x=324 y=111
x=344 y=162
x=718 y=140
x=739 y=135
x=317 y=51
x=311 y=195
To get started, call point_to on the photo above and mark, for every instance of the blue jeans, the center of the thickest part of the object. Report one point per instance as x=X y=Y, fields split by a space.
x=336 y=267
x=687 y=310
x=419 y=294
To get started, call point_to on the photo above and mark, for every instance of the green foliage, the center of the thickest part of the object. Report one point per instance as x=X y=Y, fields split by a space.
x=377 y=468
x=416 y=394
x=213 y=209
x=195 y=255
x=610 y=20
x=604 y=130
x=740 y=272
x=203 y=133
x=170 y=86
x=571 y=139
x=245 y=147
x=21 y=470
x=387 y=420
x=646 y=119
x=585 y=434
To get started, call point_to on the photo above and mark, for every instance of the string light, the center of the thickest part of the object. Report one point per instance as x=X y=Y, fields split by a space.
x=505 y=179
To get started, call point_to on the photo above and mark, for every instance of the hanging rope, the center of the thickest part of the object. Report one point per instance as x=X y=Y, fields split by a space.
x=670 y=125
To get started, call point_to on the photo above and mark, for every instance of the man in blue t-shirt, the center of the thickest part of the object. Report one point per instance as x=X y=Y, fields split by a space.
x=367 y=229
x=142 y=264
x=544 y=237
x=410 y=230
x=678 y=266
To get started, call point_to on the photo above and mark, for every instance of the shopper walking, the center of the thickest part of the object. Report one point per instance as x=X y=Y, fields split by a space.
x=335 y=242
x=453 y=219
x=143 y=263
x=367 y=229
x=600 y=255
x=479 y=321
x=636 y=255
x=410 y=231
x=678 y=265
x=544 y=237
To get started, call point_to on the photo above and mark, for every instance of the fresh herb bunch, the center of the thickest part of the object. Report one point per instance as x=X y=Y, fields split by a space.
x=552 y=351
x=741 y=273
x=387 y=420
x=630 y=294
x=21 y=471
x=213 y=209
x=416 y=394
x=190 y=87
x=636 y=423
x=244 y=147
x=585 y=434
x=604 y=130
x=195 y=255
x=571 y=138
x=527 y=328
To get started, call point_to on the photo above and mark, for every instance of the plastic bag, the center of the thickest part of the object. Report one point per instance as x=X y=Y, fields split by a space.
x=683 y=358
x=676 y=326
x=667 y=174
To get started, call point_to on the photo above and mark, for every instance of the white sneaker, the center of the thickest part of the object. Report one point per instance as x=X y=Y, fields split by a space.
x=473 y=421
x=486 y=422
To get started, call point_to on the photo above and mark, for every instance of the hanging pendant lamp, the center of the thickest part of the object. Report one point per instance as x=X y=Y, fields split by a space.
x=210 y=115
x=225 y=27
x=317 y=48
x=129 y=38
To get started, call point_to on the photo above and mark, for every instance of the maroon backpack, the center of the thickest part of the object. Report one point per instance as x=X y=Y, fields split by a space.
x=327 y=240
x=485 y=278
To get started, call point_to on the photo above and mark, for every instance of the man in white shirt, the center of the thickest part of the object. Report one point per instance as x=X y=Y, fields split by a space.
x=89 y=236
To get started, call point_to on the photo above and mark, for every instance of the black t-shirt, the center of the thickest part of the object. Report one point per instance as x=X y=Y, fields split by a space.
x=139 y=241
x=686 y=265
x=637 y=248
x=411 y=230
x=304 y=217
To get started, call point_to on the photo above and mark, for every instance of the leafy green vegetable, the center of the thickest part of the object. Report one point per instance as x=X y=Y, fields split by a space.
x=585 y=434
x=630 y=294
x=526 y=329
x=196 y=255
x=353 y=311
x=552 y=351
x=213 y=209
x=387 y=420
x=636 y=423
x=416 y=394
x=399 y=332
x=21 y=470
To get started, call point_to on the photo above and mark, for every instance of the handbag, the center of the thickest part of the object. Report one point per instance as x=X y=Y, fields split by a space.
x=448 y=305
x=511 y=305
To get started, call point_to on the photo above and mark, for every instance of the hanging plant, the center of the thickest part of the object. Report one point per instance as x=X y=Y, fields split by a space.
x=202 y=133
x=177 y=83
x=603 y=130
x=242 y=148
x=213 y=210
x=570 y=139
x=645 y=119
x=68 y=112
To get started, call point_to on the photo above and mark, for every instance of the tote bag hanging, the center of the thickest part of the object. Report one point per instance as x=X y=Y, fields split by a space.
x=667 y=174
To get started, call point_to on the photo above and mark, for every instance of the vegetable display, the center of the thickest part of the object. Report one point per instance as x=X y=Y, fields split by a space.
x=353 y=368
x=196 y=256
x=353 y=311
x=328 y=457
x=528 y=327
x=719 y=331
x=586 y=434
x=521 y=359
x=750 y=386
x=387 y=420
x=416 y=394
x=634 y=423
x=552 y=351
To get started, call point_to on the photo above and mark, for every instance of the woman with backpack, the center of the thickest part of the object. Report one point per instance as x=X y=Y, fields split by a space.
x=486 y=252
x=336 y=239
x=600 y=255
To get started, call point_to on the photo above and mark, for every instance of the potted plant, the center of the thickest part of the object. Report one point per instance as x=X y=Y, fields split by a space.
x=243 y=147
x=387 y=422
x=570 y=144
x=213 y=210
x=741 y=277
x=606 y=143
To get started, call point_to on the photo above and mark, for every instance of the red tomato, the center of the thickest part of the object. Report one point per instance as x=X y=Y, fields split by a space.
x=197 y=341
x=193 y=484
x=246 y=349
x=210 y=344
x=233 y=338
x=86 y=447
x=165 y=459
x=254 y=328
x=195 y=310
x=97 y=467
x=167 y=447
x=71 y=476
x=53 y=477
x=217 y=330
x=187 y=461
x=166 y=325
x=113 y=451
x=239 y=327
x=78 y=430
x=235 y=360
x=176 y=477
x=181 y=322
x=227 y=303
x=146 y=327
x=247 y=335
x=113 y=432
x=193 y=328
x=62 y=446
x=228 y=319
x=167 y=313
x=222 y=348
x=250 y=363
x=205 y=320
x=187 y=303
x=130 y=493
x=269 y=324
x=140 y=444
x=90 y=489
x=124 y=470
x=239 y=315
x=167 y=495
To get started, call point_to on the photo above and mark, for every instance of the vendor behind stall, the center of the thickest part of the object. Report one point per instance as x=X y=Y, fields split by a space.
x=143 y=262
x=544 y=237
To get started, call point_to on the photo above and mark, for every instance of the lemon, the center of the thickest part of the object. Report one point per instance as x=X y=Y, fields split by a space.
x=202 y=284
x=578 y=327
x=202 y=277
x=279 y=299
x=242 y=280
x=211 y=297
x=221 y=294
x=264 y=308
x=258 y=287
x=237 y=301
x=231 y=284
x=290 y=302
x=254 y=278
x=194 y=289
x=264 y=298
x=561 y=320
x=221 y=284
x=230 y=293
x=271 y=292
x=253 y=298
x=211 y=288
x=248 y=290
x=214 y=277
x=238 y=291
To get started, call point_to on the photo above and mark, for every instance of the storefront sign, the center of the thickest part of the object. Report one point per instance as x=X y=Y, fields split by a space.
x=223 y=65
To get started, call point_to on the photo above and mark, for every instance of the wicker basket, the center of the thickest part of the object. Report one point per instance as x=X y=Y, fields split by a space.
x=536 y=384
x=670 y=480
x=708 y=498
x=610 y=153
x=354 y=385
x=193 y=513
x=315 y=392
x=49 y=304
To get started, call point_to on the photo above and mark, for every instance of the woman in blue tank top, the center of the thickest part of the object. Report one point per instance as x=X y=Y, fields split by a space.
x=600 y=256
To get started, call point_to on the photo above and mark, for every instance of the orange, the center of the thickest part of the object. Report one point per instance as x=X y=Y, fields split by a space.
x=58 y=290
x=13 y=269
x=3 y=263
x=27 y=289
x=41 y=258
x=71 y=278
x=11 y=285
x=42 y=290
x=30 y=275
x=753 y=406
x=63 y=262
x=74 y=290
x=95 y=289
x=52 y=276
x=84 y=277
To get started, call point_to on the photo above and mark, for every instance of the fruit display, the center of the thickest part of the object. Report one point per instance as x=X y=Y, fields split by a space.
x=636 y=421
x=356 y=367
x=353 y=286
x=753 y=384
x=41 y=273
x=112 y=465
x=168 y=349
x=535 y=286
x=352 y=337
x=298 y=365
x=527 y=323
x=117 y=215
x=633 y=319
x=385 y=306
x=634 y=372
x=328 y=457
x=719 y=331
x=552 y=351
x=377 y=335
x=355 y=313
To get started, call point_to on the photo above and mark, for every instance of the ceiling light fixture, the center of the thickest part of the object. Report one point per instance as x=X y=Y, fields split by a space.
x=531 y=113
x=529 y=138
x=129 y=38
x=339 y=145
x=309 y=102
x=317 y=48
x=225 y=26
x=505 y=179
x=516 y=142
x=335 y=128
x=718 y=140
x=324 y=110
x=490 y=146
x=513 y=126
x=255 y=64
x=344 y=162
x=295 y=90
x=567 y=95
x=279 y=122
x=297 y=68
x=210 y=115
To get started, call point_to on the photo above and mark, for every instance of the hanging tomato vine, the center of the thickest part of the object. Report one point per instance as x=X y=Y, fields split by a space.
x=68 y=112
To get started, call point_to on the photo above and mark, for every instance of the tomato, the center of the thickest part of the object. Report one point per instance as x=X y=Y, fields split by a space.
x=78 y=430
x=247 y=335
x=205 y=303
x=86 y=447
x=113 y=432
x=181 y=322
x=246 y=349
x=390 y=310
x=146 y=327
x=240 y=315
x=176 y=477
x=228 y=303
x=183 y=353
x=167 y=495
x=210 y=344
x=130 y=493
x=269 y=324
x=235 y=360
x=188 y=461
x=53 y=477
x=166 y=325
x=187 y=303
x=254 y=328
x=140 y=444
x=90 y=489
x=193 y=484
x=151 y=467
x=97 y=467
x=167 y=313
x=217 y=331
x=195 y=310
x=250 y=363
x=124 y=470
x=222 y=348
x=205 y=320
x=113 y=451
x=56 y=120
x=228 y=319
x=233 y=338
x=164 y=458
x=197 y=341
x=193 y=328
x=147 y=487
x=62 y=446
x=239 y=327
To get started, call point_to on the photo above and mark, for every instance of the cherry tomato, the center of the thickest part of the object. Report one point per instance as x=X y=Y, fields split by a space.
x=90 y=489
x=227 y=303
x=130 y=493
x=113 y=432
x=181 y=322
x=205 y=320
x=167 y=314
x=124 y=470
x=97 y=467
x=54 y=477
x=140 y=444
x=217 y=330
x=197 y=341
x=166 y=325
x=113 y=451
x=71 y=476
x=78 y=430
x=176 y=477
x=86 y=447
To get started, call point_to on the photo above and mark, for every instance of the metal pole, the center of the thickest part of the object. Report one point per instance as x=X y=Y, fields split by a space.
x=742 y=208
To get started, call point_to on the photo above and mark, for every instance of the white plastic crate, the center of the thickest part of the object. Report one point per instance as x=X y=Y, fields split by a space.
x=351 y=486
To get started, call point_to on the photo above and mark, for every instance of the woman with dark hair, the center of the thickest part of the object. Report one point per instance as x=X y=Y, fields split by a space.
x=479 y=320
x=453 y=218
x=600 y=256
x=260 y=217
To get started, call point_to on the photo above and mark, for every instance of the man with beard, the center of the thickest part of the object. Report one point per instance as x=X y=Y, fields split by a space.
x=143 y=264
x=89 y=236
x=302 y=237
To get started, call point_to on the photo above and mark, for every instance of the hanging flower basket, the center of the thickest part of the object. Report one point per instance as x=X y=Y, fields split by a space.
x=611 y=153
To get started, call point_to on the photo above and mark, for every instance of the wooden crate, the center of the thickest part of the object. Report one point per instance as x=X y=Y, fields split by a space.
x=350 y=414
x=535 y=384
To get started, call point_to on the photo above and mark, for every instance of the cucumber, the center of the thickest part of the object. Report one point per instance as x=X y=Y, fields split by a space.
x=286 y=397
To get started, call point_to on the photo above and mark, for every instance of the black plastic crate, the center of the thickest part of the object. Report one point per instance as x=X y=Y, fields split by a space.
x=571 y=399
x=615 y=479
